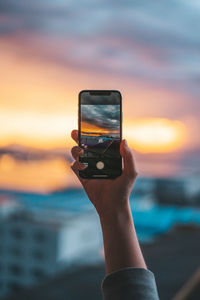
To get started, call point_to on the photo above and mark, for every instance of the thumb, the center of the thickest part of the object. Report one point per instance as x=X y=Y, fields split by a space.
x=128 y=159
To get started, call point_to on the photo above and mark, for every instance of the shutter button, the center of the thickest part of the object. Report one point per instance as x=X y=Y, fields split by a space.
x=100 y=165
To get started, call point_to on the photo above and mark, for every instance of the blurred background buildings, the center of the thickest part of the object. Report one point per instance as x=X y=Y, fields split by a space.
x=38 y=243
x=50 y=240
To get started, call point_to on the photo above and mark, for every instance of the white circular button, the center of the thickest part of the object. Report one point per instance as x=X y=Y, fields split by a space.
x=100 y=165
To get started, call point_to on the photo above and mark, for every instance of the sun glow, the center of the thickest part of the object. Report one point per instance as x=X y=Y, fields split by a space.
x=154 y=134
x=23 y=175
x=47 y=131
x=39 y=109
x=36 y=129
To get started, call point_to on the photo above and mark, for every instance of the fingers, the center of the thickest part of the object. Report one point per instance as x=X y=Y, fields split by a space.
x=125 y=151
x=127 y=155
x=77 y=166
x=74 y=135
x=76 y=152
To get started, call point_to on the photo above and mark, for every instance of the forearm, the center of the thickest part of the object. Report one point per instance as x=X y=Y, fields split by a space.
x=121 y=245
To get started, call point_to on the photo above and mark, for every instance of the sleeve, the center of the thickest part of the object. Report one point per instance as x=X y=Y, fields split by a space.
x=130 y=284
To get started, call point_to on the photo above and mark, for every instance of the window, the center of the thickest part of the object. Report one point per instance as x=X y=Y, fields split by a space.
x=17 y=233
x=38 y=254
x=38 y=273
x=15 y=269
x=39 y=236
x=15 y=251
x=15 y=286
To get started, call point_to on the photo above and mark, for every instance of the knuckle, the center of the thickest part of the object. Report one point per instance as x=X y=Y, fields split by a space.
x=74 y=150
x=73 y=132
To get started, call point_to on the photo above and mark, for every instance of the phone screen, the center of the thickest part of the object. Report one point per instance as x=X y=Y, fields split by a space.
x=100 y=133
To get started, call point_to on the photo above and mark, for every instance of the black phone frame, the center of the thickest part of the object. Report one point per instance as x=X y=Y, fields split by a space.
x=104 y=93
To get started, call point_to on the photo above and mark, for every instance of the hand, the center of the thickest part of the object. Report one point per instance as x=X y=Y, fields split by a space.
x=107 y=195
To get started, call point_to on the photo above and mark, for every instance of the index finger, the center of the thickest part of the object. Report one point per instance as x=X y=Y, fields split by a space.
x=74 y=135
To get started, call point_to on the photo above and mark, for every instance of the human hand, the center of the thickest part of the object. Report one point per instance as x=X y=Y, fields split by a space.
x=107 y=195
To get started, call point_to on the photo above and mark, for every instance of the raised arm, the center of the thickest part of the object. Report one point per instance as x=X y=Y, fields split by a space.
x=121 y=245
x=127 y=274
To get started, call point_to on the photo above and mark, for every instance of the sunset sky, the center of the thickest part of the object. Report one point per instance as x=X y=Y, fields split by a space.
x=149 y=50
x=100 y=119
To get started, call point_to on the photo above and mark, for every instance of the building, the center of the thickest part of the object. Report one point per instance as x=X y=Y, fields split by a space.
x=179 y=191
x=171 y=191
x=8 y=205
x=193 y=188
x=34 y=246
x=173 y=258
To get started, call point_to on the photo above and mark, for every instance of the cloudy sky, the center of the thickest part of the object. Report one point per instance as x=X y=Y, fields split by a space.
x=50 y=50
x=101 y=117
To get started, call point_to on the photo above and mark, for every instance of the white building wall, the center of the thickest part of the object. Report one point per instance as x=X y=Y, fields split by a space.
x=81 y=236
x=30 y=250
x=27 y=253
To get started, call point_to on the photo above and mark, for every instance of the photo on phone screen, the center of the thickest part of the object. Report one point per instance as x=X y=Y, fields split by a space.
x=100 y=133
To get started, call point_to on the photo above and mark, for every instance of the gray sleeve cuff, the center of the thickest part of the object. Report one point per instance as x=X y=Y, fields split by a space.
x=129 y=284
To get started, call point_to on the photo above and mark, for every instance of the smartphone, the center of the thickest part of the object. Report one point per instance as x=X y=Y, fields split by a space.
x=100 y=133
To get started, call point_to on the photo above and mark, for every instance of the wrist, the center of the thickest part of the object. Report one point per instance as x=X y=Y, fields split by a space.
x=121 y=245
x=116 y=214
